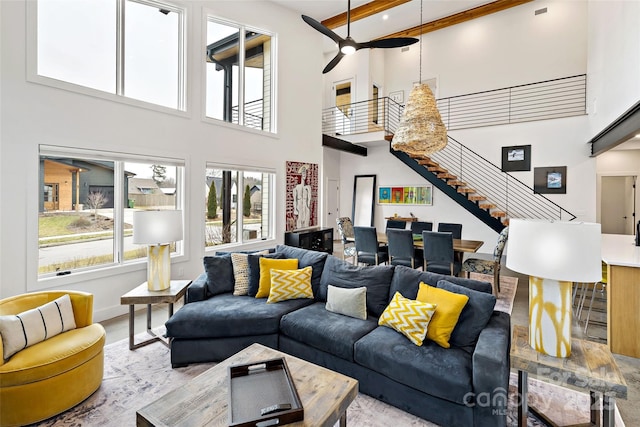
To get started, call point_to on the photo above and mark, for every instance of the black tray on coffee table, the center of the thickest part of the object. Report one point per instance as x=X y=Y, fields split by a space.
x=263 y=394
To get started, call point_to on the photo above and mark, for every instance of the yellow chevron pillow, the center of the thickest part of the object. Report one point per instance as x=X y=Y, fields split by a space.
x=409 y=317
x=290 y=284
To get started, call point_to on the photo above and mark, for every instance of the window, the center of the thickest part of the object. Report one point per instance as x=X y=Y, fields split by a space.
x=130 y=48
x=86 y=209
x=239 y=69
x=239 y=206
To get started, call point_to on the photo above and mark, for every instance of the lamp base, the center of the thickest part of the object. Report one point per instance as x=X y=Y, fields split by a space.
x=159 y=268
x=550 y=316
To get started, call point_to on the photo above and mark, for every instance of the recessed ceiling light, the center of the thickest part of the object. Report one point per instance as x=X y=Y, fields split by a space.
x=638 y=135
x=385 y=17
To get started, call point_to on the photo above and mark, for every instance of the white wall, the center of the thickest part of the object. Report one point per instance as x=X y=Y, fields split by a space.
x=614 y=60
x=34 y=114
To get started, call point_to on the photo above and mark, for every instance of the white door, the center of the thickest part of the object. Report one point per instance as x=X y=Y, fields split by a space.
x=617 y=204
x=333 y=208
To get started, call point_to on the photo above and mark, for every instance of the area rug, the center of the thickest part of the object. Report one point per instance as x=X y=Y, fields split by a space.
x=508 y=288
x=133 y=379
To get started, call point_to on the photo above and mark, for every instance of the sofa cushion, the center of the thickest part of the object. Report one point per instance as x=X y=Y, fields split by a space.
x=407 y=280
x=474 y=316
x=306 y=258
x=290 y=284
x=409 y=317
x=240 y=262
x=350 y=302
x=254 y=270
x=230 y=316
x=22 y=330
x=321 y=329
x=442 y=372
x=376 y=279
x=220 y=278
x=449 y=305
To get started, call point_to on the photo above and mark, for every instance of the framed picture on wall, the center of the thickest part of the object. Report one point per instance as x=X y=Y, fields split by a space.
x=410 y=195
x=550 y=180
x=516 y=158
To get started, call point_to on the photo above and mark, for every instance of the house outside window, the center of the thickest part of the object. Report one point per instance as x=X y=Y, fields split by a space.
x=97 y=47
x=85 y=213
x=240 y=75
x=239 y=206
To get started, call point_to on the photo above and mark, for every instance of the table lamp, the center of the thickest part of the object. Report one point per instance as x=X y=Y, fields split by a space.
x=554 y=254
x=158 y=229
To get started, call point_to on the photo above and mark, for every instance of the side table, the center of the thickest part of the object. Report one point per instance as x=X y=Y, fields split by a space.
x=590 y=367
x=142 y=295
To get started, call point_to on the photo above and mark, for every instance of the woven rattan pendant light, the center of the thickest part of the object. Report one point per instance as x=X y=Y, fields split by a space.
x=421 y=131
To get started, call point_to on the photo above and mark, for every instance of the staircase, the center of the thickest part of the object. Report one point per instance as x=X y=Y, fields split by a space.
x=475 y=183
x=481 y=187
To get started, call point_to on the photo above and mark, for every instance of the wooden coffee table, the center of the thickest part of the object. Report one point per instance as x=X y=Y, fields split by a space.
x=325 y=394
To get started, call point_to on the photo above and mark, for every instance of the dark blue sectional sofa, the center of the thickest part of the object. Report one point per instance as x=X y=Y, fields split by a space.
x=465 y=385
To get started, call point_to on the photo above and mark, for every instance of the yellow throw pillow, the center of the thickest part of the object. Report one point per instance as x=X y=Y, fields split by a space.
x=445 y=318
x=266 y=264
x=290 y=284
x=409 y=317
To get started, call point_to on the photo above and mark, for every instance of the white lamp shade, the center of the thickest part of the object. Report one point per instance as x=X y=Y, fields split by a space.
x=558 y=250
x=157 y=227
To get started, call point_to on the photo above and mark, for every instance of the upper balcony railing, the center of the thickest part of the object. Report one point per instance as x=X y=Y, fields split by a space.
x=550 y=99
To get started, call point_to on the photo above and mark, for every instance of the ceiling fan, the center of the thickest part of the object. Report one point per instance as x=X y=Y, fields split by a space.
x=348 y=45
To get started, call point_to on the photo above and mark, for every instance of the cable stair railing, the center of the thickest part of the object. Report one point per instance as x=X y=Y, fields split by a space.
x=475 y=183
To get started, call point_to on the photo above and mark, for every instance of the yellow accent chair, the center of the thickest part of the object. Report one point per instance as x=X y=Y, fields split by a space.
x=54 y=375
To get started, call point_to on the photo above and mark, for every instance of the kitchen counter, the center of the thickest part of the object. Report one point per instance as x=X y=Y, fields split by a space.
x=623 y=293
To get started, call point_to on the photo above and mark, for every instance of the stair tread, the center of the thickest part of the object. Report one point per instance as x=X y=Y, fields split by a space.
x=477 y=198
x=466 y=190
x=457 y=183
x=487 y=206
x=447 y=176
x=436 y=169
x=427 y=162
x=498 y=214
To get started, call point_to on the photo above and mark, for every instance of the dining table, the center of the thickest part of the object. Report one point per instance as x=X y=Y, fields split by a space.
x=459 y=245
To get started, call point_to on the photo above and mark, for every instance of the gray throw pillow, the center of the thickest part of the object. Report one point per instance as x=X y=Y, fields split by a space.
x=474 y=317
x=350 y=302
x=220 y=278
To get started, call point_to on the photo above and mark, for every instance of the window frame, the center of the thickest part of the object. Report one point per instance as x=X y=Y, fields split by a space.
x=182 y=108
x=240 y=242
x=210 y=16
x=37 y=281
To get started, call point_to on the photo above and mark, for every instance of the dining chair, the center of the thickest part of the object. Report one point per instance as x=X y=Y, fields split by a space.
x=347 y=237
x=401 y=248
x=484 y=266
x=417 y=227
x=454 y=229
x=368 y=250
x=395 y=223
x=439 y=256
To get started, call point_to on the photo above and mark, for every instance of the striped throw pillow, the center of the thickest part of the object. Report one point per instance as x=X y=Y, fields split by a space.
x=290 y=284
x=30 y=327
x=409 y=317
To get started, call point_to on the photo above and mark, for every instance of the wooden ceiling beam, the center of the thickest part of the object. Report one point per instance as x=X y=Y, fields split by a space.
x=458 y=18
x=364 y=11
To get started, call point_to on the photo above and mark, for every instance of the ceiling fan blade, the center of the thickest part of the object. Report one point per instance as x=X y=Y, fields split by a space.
x=324 y=30
x=390 y=43
x=333 y=62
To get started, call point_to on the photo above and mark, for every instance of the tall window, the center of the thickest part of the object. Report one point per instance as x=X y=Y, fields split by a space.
x=130 y=48
x=239 y=206
x=240 y=75
x=86 y=207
